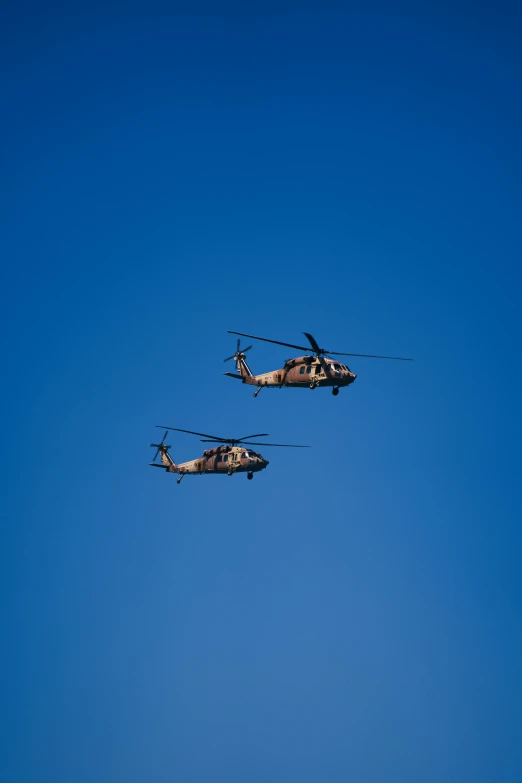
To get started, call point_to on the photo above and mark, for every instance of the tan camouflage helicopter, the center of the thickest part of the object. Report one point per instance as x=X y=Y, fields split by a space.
x=229 y=456
x=304 y=372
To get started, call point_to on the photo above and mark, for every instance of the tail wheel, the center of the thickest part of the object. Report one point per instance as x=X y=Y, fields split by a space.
x=335 y=391
x=250 y=476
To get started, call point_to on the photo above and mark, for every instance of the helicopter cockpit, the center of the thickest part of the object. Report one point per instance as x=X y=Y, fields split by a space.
x=337 y=368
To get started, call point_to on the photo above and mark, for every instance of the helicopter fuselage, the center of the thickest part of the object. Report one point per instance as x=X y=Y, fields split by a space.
x=305 y=372
x=224 y=460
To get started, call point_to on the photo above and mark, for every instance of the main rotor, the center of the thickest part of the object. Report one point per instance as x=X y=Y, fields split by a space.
x=244 y=441
x=317 y=350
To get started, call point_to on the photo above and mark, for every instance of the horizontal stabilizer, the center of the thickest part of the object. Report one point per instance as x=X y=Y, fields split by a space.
x=233 y=375
x=158 y=465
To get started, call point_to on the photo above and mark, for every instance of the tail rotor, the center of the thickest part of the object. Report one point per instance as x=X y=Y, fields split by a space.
x=239 y=354
x=160 y=446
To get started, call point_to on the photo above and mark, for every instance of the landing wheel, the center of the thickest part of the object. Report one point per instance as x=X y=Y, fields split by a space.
x=229 y=472
x=250 y=476
x=335 y=391
x=313 y=385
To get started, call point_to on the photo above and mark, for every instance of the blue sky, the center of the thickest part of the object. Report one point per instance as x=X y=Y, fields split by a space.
x=171 y=171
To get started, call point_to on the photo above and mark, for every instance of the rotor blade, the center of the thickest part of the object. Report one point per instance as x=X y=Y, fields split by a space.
x=244 y=350
x=266 y=340
x=238 y=344
x=286 y=445
x=191 y=432
x=234 y=440
x=230 y=357
x=370 y=356
x=159 y=446
x=162 y=440
x=313 y=342
x=315 y=346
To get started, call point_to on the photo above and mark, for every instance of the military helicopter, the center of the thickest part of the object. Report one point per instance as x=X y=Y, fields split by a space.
x=228 y=456
x=304 y=372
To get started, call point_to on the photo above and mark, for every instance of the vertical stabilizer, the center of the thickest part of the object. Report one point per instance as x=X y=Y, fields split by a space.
x=243 y=368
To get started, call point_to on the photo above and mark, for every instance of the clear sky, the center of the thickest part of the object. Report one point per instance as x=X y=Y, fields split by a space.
x=171 y=171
